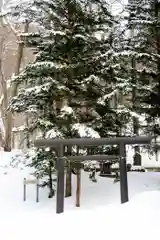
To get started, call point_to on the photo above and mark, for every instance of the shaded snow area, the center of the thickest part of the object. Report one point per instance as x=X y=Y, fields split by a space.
x=101 y=216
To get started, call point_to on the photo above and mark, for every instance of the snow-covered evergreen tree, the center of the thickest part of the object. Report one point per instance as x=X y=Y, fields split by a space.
x=142 y=47
x=72 y=79
x=153 y=46
x=139 y=58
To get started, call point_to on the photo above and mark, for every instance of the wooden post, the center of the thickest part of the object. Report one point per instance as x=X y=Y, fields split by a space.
x=68 y=188
x=37 y=190
x=123 y=174
x=60 y=181
x=24 y=189
x=78 y=190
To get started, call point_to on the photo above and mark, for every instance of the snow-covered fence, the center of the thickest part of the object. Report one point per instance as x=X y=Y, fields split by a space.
x=59 y=144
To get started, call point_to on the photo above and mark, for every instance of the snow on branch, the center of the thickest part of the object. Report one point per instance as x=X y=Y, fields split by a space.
x=130 y=53
x=46 y=64
x=53 y=133
x=66 y=110
x=92 y=78
x=107 y=96
x=123 y=109
x=37 y=89
x=85 y=131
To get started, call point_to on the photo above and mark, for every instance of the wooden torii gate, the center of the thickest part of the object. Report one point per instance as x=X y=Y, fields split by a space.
x=59 y=144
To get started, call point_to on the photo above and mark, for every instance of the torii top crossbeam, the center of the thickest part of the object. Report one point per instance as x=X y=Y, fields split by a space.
x=92 y=141
x=93 y=157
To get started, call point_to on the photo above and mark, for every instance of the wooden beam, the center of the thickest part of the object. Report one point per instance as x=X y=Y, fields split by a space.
x=92 y=141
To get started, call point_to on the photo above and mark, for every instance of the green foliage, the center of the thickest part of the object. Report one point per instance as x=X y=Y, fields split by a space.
x=139 y=59
x=74 y=76
x=43 y=162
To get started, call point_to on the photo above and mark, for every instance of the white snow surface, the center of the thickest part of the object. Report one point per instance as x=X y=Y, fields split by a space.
x=100 y=216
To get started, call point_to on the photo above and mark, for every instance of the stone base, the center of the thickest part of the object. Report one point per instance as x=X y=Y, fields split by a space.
x=112 y=175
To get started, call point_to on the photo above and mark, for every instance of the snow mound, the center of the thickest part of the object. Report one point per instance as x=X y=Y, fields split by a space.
x=100 y=216
x=114 y=222
x=147 y=199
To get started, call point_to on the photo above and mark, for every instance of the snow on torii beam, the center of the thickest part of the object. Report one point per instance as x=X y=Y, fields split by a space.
x=92 y=141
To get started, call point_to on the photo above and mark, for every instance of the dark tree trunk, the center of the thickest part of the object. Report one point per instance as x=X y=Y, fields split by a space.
x=134 y=105
x=68 y=189
x=78 y=190
x=51 y=191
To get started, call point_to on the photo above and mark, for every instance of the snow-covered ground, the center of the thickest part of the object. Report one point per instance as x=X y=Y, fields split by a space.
x=100 y=216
